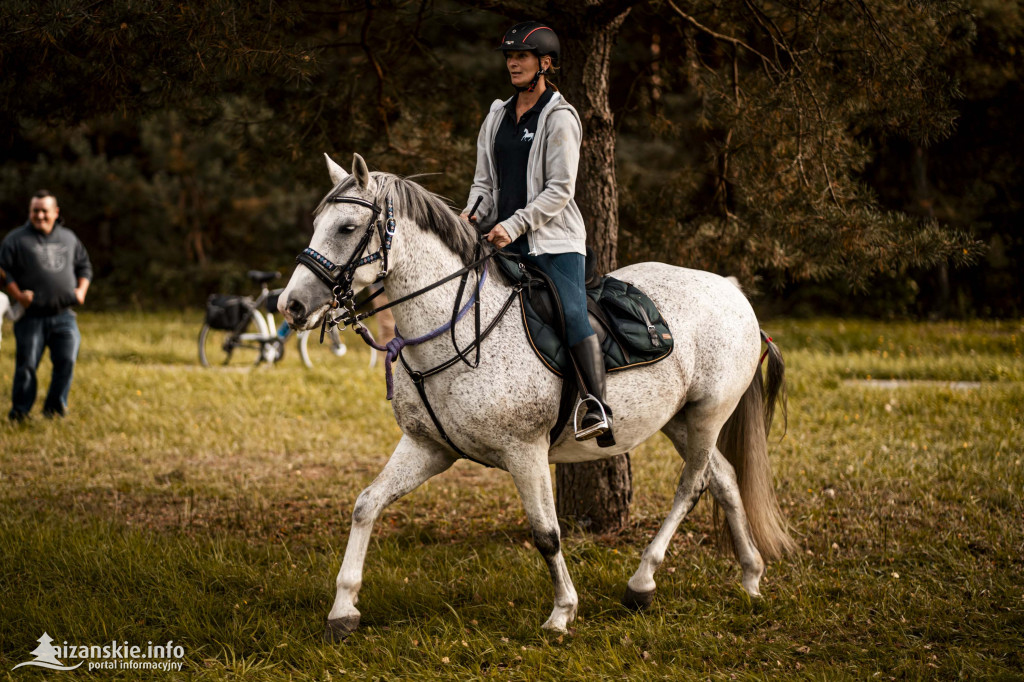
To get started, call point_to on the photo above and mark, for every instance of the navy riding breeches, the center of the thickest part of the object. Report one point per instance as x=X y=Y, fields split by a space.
x=567 y=271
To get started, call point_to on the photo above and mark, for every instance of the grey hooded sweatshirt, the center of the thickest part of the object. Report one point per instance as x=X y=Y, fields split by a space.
x=550 y=217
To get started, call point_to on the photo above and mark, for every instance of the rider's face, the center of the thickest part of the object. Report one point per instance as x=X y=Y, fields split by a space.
x=522 y=67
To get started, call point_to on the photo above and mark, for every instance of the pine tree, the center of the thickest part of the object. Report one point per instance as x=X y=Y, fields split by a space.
x=46 y=652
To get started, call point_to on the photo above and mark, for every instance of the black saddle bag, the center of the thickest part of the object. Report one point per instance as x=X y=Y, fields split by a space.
x=638 y=322
x=226 y=312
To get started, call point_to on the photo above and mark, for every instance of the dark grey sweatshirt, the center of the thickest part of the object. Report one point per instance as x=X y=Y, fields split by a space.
x=47 y=264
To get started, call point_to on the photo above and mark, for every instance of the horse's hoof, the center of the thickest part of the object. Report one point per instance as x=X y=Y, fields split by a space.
x=637 y=601
x=752 y=581
x=554 y=627
x=339 y=628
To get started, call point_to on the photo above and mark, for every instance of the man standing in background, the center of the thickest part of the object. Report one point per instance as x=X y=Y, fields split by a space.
x=47 y=271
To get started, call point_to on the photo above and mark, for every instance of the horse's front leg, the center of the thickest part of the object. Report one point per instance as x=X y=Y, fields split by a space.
x=532 y=477
x=412 y=463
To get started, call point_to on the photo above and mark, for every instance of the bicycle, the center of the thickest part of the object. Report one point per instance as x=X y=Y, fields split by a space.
x=241 y=329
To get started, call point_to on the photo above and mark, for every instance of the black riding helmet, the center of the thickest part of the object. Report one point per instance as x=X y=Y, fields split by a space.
x=532 y=36
x=535 y=37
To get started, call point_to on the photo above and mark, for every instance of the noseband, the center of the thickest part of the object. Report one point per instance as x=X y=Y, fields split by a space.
x=338 y=278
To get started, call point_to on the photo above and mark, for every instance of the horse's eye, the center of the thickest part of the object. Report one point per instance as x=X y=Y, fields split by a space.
x=345 y=229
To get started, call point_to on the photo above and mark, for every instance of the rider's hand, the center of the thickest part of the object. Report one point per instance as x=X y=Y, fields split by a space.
x=498 y=236
x=26 y=298
x=80 y=295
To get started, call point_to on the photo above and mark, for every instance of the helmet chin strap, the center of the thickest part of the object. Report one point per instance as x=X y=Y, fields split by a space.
x=536 y=79
x=533 y=84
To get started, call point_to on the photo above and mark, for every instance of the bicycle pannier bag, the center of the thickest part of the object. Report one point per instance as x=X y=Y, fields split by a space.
x=225 y=312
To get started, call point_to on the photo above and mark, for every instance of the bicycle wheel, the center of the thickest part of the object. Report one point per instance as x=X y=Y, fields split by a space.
x=218 y=347
x=315 y=353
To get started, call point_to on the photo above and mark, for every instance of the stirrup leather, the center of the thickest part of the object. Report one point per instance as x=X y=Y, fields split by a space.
x=589 y=432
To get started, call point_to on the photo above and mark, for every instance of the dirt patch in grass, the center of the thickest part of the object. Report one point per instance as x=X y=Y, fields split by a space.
x=912 y=383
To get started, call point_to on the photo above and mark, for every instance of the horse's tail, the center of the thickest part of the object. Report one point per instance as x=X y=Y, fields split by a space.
x=744 y=442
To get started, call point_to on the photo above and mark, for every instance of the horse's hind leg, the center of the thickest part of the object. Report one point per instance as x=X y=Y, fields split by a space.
x=532 y=477
x=695 y=449
x=726 y=491
x=410 y=465
x=694 y=434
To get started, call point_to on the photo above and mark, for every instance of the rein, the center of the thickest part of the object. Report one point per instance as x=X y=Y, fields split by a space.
x=350 y=317
x=393 y=348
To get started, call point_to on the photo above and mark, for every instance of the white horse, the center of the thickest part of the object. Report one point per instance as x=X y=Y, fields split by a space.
x=707 y=396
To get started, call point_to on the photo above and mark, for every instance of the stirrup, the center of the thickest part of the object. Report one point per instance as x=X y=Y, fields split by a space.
x=589 y=432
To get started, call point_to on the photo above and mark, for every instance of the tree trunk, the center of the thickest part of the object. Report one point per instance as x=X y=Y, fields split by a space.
x=584 y=82
x=594 y=496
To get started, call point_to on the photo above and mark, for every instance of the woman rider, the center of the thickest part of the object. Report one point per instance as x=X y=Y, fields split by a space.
x=527 y=155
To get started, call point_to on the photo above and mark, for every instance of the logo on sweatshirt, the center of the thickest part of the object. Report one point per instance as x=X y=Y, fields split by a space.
x=527 y=136
x=52 y=257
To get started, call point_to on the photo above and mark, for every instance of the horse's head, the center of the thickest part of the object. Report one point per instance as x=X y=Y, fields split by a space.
x=349 y=224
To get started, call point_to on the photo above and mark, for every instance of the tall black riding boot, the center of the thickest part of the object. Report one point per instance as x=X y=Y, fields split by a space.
x=590 y=361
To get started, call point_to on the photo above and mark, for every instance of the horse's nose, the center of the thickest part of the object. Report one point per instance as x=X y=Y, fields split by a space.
x=296 y=311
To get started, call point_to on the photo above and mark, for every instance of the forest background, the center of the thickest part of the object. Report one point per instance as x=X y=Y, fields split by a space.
x=854 y=157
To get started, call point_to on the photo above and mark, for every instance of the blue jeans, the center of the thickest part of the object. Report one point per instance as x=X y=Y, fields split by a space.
x=60 y=334
x=568 y=272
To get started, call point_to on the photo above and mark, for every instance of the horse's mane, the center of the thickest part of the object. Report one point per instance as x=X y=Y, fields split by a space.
x=412 y=201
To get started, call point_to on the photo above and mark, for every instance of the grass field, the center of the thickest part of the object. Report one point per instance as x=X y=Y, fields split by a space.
x=210 y=507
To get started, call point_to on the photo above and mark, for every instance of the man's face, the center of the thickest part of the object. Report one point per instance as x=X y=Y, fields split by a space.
x=42 y=213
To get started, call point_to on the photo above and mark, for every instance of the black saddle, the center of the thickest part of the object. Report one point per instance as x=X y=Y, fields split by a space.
x=628 y=325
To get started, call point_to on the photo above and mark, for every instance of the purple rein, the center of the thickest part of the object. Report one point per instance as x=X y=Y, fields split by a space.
x=395 y=345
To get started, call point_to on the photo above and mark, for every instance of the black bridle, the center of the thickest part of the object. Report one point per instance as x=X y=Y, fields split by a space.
x=338 y=278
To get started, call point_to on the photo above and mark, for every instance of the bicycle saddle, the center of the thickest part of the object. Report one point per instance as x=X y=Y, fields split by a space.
x=261 y=276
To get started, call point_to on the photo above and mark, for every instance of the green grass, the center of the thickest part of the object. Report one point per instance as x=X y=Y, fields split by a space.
x=210 y=507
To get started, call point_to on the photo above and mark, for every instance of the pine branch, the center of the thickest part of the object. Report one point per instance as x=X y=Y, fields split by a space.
x=767 y=61
x=586 y=15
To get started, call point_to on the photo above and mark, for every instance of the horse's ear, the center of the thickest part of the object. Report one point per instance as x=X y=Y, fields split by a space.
x=336 y=172
x=360 y=171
